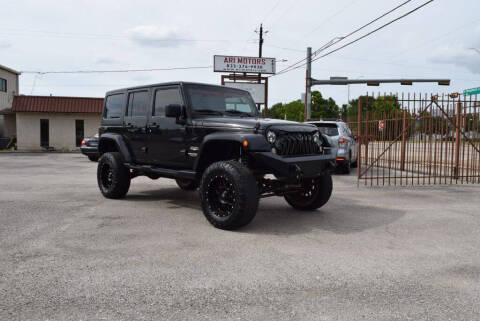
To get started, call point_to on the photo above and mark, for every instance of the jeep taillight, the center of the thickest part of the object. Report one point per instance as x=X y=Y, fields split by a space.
x=342 y=141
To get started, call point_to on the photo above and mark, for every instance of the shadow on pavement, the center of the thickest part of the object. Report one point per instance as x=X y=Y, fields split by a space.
x=275 y=216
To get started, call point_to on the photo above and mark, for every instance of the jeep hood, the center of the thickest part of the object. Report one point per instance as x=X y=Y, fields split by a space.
x=254 y=123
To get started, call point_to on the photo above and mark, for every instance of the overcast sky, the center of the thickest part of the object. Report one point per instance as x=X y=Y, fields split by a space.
x=52 y=35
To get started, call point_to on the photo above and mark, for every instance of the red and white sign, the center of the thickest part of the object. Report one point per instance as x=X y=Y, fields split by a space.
x=381 y=124
x=244 y=64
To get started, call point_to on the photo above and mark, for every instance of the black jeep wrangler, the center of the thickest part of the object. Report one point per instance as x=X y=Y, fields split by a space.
x=213 y=138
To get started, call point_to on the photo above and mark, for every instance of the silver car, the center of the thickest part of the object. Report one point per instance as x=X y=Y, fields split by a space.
x=341 y=137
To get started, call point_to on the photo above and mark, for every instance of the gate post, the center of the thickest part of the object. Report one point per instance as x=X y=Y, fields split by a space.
x=367 y=139
x=404 y=140
x=457 y=140
x=359 y=138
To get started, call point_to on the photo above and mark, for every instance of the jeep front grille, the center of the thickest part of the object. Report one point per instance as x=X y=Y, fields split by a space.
x=290 y=144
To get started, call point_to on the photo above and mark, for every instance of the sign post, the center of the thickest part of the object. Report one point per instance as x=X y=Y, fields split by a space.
x=246 y=74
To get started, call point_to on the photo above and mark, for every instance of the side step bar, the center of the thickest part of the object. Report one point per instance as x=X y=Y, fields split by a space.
x=163 y=172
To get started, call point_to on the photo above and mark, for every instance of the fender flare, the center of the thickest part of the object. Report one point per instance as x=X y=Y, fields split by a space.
x=256 y=142
x=118 y=141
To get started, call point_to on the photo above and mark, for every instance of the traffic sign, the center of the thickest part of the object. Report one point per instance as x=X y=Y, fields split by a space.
x=381 y=125
x=471 y=91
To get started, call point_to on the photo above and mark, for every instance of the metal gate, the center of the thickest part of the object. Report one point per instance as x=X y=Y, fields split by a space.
x=417 y=139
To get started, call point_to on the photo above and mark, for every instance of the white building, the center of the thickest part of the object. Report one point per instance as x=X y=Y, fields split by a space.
x=54 y=122
x=8 y=89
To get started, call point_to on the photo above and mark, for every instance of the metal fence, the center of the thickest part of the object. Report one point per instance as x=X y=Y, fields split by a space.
x=417 y=139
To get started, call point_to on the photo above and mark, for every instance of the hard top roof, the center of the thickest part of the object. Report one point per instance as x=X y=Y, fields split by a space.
x=168 y=84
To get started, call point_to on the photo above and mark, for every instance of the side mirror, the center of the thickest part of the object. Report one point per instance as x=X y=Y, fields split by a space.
x=173 y=110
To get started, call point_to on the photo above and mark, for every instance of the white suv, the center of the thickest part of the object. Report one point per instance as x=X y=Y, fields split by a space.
x=341 y=137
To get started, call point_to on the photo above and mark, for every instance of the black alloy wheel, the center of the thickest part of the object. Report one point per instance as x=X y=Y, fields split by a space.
x=229 y=195
x=314 y=194
x=221 y=196
x=112 y=176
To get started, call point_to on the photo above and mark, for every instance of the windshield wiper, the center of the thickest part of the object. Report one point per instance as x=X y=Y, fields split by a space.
x=238 y=112
x=208 y=111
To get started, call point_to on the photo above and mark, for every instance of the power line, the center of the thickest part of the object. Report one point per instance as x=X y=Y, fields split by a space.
x=331 y=17
x=110 y=71
x=271 y=10
x=360 y=38
x=331 y=43
x=375 y=30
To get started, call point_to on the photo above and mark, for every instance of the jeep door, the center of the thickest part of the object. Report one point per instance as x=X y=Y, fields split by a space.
x=167 y=135
x=135 y=124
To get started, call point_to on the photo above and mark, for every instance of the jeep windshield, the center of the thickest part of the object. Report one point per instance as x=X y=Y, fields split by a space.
x=213 y=100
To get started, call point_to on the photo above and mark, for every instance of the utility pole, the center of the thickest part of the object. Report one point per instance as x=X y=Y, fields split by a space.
x=260 y=45
x=308 y=85
x=260 y=41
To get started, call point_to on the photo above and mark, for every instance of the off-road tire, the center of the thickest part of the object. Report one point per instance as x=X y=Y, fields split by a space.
x=186 y=184
x=316 y=194
x=239 y=194
x=112 y=176
x=93 y=158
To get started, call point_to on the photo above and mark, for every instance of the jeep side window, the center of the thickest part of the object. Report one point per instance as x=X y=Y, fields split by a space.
x=137 y=104
x=113 y=106
x=164 y=97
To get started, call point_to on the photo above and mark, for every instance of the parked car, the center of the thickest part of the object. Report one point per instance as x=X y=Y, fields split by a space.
x=214 y=138
x=89 y=147
x=341 y=137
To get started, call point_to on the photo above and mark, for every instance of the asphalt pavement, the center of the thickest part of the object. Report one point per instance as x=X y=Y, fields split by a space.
x=384 y=253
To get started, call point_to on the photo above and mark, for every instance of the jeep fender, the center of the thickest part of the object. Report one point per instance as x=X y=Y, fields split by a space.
x=256 y=142
x=109 y=139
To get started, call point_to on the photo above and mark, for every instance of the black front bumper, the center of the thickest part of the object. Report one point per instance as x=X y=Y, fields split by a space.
x=296 y=166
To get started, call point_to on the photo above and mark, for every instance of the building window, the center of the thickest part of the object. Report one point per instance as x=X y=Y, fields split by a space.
x=79 y=132
x=3 y=85
x=44 y=133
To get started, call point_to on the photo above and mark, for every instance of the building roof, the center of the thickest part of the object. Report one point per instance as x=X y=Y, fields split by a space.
x=56 y=104
x=10 y=70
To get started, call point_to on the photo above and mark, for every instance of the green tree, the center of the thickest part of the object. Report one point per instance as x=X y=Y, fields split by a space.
x=295 y=110
x=323 y=108
x=292 y=111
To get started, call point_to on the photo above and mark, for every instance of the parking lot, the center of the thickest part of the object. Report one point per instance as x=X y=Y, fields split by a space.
x=389 y=253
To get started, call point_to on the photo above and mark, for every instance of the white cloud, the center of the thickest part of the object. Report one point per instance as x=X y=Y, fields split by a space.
x=4 y=44
x=466 y=55
x=155 y=36
x=104 y=60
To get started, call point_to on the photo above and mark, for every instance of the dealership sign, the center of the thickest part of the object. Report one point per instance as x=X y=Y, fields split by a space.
x=255 y=89
x=244 y=64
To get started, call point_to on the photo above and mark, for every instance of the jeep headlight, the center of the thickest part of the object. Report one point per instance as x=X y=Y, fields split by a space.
x=271 y=137
x=316 y=137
